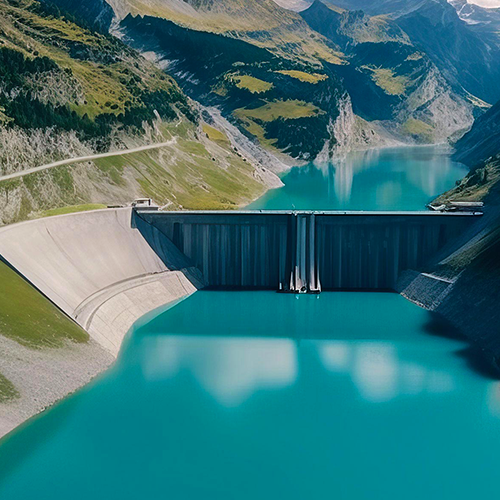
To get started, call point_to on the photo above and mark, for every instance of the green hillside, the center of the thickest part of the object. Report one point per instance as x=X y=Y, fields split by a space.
x=40 y=325
x=240 y=77
x=68 y=90
x=263 y=23
x=66 y=75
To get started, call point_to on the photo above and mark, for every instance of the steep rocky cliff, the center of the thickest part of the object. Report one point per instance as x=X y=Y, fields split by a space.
x=485 y=21
x=389 y=79
x=467 y=57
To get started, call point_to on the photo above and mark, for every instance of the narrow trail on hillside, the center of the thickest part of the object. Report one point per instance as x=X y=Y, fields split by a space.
x=81 y=159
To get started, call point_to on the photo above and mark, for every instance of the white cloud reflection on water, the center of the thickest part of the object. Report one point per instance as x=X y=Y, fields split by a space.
x=494 y=399
x=230 y=370
x=379 y=374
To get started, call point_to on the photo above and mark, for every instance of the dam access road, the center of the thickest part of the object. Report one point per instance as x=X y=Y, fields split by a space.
x=82 y=159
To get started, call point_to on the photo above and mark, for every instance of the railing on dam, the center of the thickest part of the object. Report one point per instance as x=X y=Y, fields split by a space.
x=307 y=251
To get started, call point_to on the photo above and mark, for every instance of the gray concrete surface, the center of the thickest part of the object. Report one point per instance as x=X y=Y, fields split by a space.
x=307 y=251
x=83 y=262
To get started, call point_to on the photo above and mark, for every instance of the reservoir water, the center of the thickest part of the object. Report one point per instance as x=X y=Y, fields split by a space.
x=249 y=395
x=378 y=179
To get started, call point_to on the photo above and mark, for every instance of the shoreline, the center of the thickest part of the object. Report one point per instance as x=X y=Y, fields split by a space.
x=60 y=372
x=97 y=268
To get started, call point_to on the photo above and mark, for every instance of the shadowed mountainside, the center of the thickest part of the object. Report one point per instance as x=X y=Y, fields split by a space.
x=389 y=78
x=464 y=285
x=482 y=141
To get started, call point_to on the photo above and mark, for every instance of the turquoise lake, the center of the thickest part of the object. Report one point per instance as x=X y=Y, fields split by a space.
x=377 y=179
x=259 y=395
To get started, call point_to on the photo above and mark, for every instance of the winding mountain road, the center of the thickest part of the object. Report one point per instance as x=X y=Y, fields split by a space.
x=81 y=159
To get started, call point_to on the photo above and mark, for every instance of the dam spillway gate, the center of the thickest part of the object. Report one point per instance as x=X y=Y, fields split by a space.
x=302 y=251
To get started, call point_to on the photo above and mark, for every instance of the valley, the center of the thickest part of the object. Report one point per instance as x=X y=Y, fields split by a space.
x=348 y=105
x=311 y=86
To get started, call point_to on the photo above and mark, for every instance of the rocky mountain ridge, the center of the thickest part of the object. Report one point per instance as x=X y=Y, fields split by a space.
x=389 y=79
x=467 y=57
x=251 y=97
x=480 y=19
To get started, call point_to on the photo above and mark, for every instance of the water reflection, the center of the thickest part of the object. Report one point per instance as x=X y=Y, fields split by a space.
x=494 y=399
x=260 y=395
x=379 y=373
x=230 y=370
x=359 y=335
x=341 y=177
x=377 y=179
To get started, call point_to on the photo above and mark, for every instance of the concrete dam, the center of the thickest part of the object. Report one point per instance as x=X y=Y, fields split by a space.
x=107 y=268
x=306 y=251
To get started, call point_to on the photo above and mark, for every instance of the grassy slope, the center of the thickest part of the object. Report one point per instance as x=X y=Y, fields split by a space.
x=110 y=79
x=39 y=325
x=198 y=171
x=252 y=84
x=287 y=110
x=7 y=390
x=252 y=119
x=72 y=209
x=214 y=134
x=388 y=81
x=482 y=183
x=30 y=319
x=313 y=78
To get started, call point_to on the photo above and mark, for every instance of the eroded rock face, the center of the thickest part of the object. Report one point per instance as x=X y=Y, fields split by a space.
x=296 y=5
x=480 y=19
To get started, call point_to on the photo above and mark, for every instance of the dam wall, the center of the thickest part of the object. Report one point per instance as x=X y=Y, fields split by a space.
x=370 y=251
x=99 y=268
x=107 y=268
x=308 y=251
